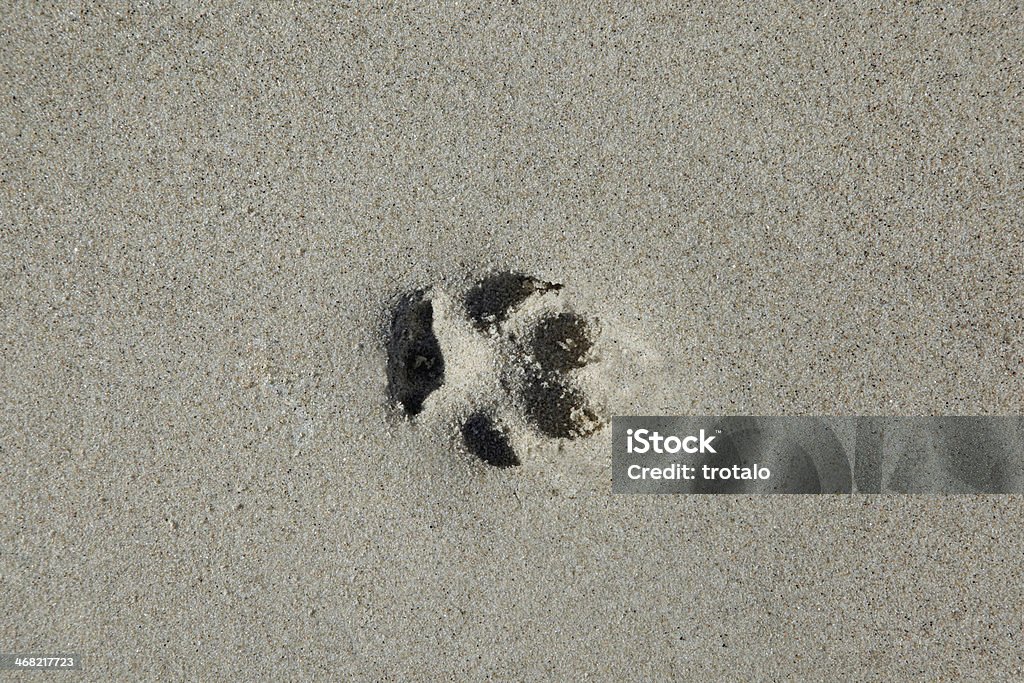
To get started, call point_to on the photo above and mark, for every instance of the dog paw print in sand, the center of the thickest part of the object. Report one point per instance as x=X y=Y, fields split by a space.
x=504 y=360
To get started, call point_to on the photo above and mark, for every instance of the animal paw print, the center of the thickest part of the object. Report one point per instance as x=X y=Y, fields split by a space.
x=535 y=346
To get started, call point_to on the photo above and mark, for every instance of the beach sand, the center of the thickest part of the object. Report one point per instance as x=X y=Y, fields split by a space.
x=207 y=217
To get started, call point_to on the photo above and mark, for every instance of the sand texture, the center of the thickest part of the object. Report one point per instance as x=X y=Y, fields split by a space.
x=221 y=463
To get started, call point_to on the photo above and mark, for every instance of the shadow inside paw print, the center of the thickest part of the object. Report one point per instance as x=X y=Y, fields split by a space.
x=491 y=299
x=556 y=408
x=485 y=439
x=537 y=365
x=415 y=362
x=559 y=344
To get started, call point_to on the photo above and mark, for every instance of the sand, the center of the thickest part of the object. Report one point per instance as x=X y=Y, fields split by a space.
x=208 y=213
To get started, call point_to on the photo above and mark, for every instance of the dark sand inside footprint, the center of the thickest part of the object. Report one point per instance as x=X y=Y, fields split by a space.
x=491 y=299
x=561 y=342
x=558 y=345
x=556 y=407
x=415 y=363
x=485 y=439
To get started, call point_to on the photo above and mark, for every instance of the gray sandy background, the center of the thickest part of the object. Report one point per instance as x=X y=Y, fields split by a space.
x=206 y=210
